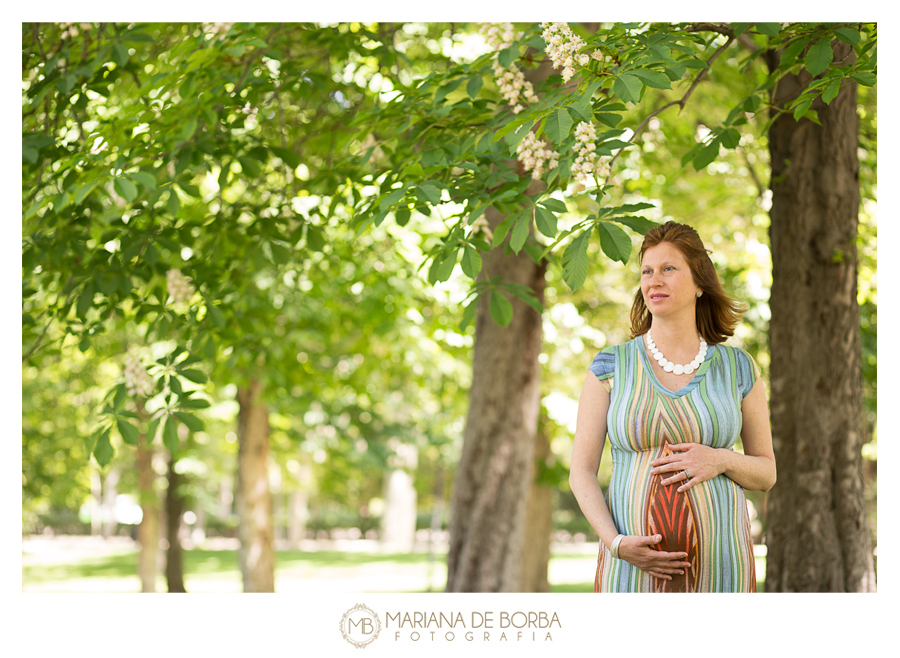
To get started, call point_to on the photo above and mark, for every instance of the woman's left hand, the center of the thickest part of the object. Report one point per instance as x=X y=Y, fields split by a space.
x=699 y=461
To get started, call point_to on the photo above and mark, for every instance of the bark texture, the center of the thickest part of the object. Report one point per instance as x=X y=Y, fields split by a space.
x=174 y=512
x=148 y=530
x=490 y=490
x=538 y=525
x=817 y=537
x=254 y=501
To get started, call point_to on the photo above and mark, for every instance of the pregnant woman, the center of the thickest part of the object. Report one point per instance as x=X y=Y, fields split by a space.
x=673 y=401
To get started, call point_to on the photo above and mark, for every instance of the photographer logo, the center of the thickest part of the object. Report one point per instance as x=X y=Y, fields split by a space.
x=360 y=626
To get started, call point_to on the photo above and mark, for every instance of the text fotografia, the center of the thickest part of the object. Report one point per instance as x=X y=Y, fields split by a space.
x=482 y=626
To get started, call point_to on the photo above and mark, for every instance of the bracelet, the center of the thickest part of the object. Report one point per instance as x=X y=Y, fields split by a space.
x=614 y=547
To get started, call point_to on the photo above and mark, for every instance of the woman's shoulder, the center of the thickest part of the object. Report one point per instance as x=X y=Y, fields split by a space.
x=746 y=371
x=604 y=363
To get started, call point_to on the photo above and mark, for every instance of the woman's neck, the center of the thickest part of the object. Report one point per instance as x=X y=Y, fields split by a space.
x=677 y=340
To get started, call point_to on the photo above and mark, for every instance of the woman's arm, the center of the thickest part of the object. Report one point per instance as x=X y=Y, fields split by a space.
x=755 y=469
x=590 y=437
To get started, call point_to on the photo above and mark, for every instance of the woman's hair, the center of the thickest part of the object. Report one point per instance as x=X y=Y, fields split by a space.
x=717 y=312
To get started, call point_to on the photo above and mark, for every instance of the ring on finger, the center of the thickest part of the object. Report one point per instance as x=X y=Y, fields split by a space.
x=687 y=476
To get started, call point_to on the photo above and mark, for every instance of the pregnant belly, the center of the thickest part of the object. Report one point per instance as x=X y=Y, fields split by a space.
x=670 y=514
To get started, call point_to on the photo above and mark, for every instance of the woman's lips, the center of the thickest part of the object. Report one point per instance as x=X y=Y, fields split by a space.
x=656 y=298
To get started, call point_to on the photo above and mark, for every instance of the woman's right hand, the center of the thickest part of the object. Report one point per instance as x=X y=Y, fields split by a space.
x=636 y=550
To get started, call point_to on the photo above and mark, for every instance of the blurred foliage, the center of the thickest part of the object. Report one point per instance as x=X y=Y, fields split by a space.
x=245 y=156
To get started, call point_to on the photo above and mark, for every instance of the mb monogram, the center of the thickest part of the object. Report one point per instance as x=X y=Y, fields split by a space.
x=360 y=626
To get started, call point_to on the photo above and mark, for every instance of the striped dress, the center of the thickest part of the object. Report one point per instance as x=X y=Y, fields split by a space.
x=708 y=521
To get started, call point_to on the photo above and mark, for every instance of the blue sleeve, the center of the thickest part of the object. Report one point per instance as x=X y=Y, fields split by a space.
x=604 y=364
x=747 y=372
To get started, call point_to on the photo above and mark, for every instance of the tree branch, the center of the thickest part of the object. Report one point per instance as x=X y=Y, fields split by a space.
x=681 y=102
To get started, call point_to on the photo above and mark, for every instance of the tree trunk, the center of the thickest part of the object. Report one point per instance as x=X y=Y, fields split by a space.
x=538 y=525
x=398 y=525
x=174 y=512
x=490 y=490
x=254 y=505
x=109 y=495
x=817 y=537
x=148 y=530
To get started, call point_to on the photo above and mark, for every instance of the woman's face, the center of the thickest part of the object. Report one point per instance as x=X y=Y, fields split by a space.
x=667 y=283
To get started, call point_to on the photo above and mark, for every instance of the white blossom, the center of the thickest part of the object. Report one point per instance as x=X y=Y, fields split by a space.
x=180 y=288
x=587 y=163
x=536 y=156
x=562 y=47
x=138 y=381
x=481 y=225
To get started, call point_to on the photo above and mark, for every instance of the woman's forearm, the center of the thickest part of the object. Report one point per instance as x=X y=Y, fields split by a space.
x=754 y=472
x=590 y=498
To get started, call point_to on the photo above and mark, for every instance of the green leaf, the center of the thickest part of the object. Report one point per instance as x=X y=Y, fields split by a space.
x=103 y=451
x=119 y=395
x=557 y=126
x=314 y=238
x=430 y=193
x=582 y=109
x=471 y=261
x=194 y=403
x=865 y=78
x=769 y=29
x=442 y=268
x=128 y=431
x=146 y=179
x=609 y=118
x=65 y=84
x=195 y=376
x=628 y=88
x=287 y=156
x=847 y=35
x=831 y=91
x=707 y=154
x=469 y=314
x=517 y=135
x=554 y=205
x=614 y=241
x=520 y=231
x=173 y=205
x=83 y=190
x=85 y=300
x=392 y=198
x=791 y=52
x=501 y=308
x=818 y=57
x=575 y=261
x=170 y=435
x=446 y=89
x=215 y=314
x=474 y=85
x=730 y=138
x=637 y=224
x=126 y=189
x=546 y=221
x=192 y=422
x=653 y=78
x=802 y=108
x=249 y=166
x=507 y=56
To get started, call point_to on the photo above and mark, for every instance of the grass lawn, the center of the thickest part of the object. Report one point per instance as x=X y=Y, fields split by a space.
x=114 y=569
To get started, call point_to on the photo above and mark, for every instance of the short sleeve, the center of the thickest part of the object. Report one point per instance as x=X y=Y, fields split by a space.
x=747 y=372
x=604 y=366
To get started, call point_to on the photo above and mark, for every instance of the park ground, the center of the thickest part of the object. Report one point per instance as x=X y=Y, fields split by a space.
x=94 y=564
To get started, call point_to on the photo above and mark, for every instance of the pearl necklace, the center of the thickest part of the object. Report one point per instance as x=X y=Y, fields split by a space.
x=676 y=369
